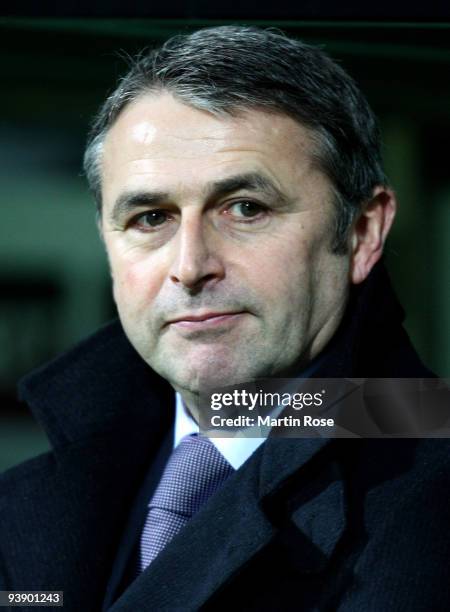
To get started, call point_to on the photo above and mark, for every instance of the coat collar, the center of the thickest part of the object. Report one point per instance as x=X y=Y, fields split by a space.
x=100 y=381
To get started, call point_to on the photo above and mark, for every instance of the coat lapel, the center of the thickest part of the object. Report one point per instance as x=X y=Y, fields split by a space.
x=305 y=501
x=125 y=564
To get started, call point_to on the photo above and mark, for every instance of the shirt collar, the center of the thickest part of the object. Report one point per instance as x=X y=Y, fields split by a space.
x=235 y=450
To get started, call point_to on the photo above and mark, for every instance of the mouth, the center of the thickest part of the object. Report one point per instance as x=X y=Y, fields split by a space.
x=206 y=320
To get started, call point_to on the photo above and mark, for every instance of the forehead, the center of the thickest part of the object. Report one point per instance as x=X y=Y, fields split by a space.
x=160 y=139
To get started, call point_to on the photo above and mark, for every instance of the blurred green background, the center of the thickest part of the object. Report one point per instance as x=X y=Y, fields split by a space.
x=54 y=284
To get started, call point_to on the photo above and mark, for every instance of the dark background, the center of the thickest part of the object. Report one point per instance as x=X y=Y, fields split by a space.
x=54 y=285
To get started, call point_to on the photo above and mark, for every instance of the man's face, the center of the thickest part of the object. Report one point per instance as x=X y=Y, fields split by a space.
x=218 y=233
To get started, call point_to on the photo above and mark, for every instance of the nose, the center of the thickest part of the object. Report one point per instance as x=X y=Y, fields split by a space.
x=196 y=259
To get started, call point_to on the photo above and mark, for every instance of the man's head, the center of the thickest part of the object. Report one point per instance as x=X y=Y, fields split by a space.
x=237 y=171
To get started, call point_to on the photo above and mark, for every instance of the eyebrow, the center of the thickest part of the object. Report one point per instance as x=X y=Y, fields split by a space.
x=251 y=181
x=128 y=201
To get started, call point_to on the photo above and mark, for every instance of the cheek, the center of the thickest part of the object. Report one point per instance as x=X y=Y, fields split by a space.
x=296 y=275
x=283 y=265
x=135 y=284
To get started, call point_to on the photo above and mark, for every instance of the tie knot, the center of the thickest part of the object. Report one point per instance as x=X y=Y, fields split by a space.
x=195 y=470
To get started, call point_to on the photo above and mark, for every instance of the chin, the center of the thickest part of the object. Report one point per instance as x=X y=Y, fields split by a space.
x=201 y=377
x=200 y=367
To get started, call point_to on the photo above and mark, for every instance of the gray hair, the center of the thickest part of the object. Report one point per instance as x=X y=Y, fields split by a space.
x=228 y=69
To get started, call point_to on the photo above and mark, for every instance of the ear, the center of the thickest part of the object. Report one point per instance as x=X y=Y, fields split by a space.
x=370 y=231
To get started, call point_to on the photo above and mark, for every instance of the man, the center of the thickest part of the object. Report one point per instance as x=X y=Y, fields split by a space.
x=244 y=210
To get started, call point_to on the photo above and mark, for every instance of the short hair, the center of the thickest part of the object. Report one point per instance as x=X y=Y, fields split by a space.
x=228 y=69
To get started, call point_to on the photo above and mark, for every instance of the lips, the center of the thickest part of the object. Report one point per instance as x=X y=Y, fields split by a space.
x=201 y=317
x=204 y=320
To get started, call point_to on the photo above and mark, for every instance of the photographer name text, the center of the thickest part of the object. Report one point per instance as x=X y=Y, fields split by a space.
x=242 y=421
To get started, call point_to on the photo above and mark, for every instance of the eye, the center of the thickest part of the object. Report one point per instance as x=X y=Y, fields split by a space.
x=246 y=209
x=150 y=220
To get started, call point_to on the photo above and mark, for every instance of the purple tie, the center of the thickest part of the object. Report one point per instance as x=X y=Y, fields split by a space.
x=195 y=470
